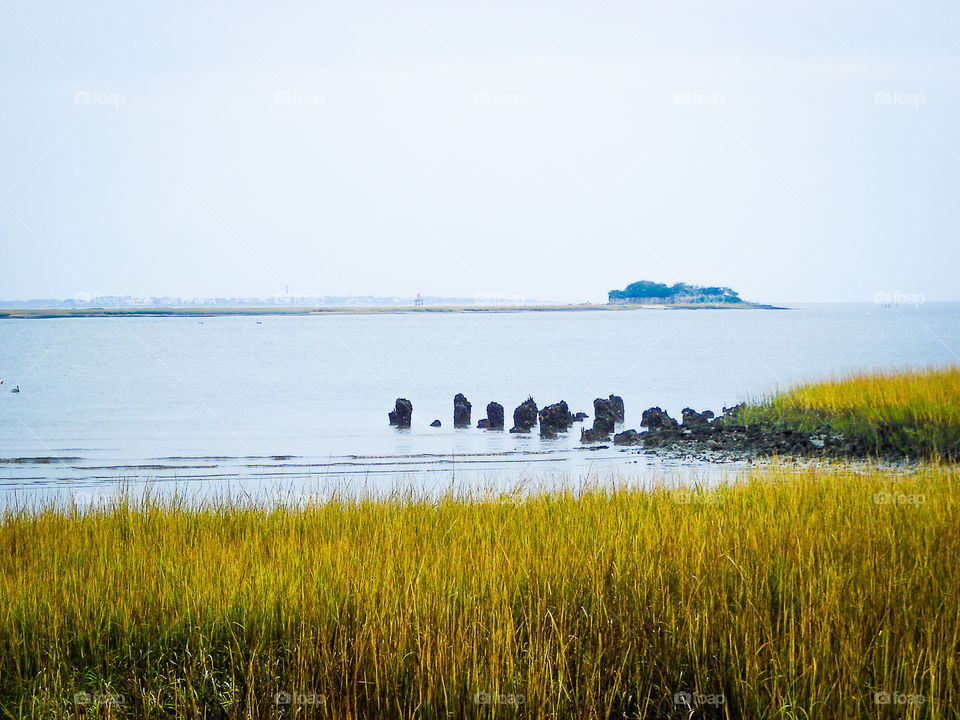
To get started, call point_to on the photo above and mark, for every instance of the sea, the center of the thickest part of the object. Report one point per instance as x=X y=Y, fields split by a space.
x=287 y=406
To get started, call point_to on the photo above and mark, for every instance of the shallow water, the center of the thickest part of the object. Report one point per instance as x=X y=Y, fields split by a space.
x=256 y=404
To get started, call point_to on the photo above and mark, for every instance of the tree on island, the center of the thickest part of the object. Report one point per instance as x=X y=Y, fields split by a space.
x=646 y=291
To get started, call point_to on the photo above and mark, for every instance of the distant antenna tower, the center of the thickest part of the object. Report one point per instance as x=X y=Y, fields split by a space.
x=418 y=301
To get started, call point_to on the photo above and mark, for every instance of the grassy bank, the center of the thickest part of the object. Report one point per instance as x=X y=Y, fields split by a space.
x=789 y=594
x=908 y=412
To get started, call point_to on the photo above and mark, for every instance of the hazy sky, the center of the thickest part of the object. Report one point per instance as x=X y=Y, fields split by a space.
x=553 y=150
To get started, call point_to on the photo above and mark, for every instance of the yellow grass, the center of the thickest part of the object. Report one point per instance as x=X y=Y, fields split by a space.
x=786 y=594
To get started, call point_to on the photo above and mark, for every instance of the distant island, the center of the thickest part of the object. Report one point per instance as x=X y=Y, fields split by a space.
x=635 y=296
x=646 y=292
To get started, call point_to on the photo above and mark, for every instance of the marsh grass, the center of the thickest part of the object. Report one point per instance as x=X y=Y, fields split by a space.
x=907 y=412
x=788 y=593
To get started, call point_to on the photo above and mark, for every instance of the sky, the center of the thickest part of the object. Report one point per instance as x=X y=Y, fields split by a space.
x=795 y=151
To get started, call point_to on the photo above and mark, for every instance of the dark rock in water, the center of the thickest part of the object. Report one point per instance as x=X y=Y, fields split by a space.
x=554 y=419
x=579 y=417
x=494 y=416
x=616 y=402
x=656 y=419
x=627 y=437
x=592 y=435
x=461 y=411
x=693 y=419
x=525 y=416
x=435 y=423
x=605 y=413
x=402 y=413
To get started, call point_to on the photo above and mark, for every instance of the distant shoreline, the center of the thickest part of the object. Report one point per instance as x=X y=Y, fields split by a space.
x=47 y=313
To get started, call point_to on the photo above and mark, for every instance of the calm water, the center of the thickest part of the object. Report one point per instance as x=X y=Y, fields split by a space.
x=302 y=401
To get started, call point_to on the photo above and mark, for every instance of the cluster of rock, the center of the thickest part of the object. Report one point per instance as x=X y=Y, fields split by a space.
x=607 y=413
x=729 y=435
x=697 y=433
x=661 y=428
x=557 y=418
x=553 y=419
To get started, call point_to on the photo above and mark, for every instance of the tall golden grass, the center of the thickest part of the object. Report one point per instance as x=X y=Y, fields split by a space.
x=911 y=412
x=785 y=593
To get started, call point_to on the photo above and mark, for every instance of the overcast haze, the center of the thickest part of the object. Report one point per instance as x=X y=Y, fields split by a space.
x=793 y=151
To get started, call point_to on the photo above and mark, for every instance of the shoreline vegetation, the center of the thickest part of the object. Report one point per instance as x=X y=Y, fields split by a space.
x=47 y=313
x=907 y=412
x=787 y=592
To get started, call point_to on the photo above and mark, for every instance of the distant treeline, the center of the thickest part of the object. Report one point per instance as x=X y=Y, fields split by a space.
x=654 y=292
